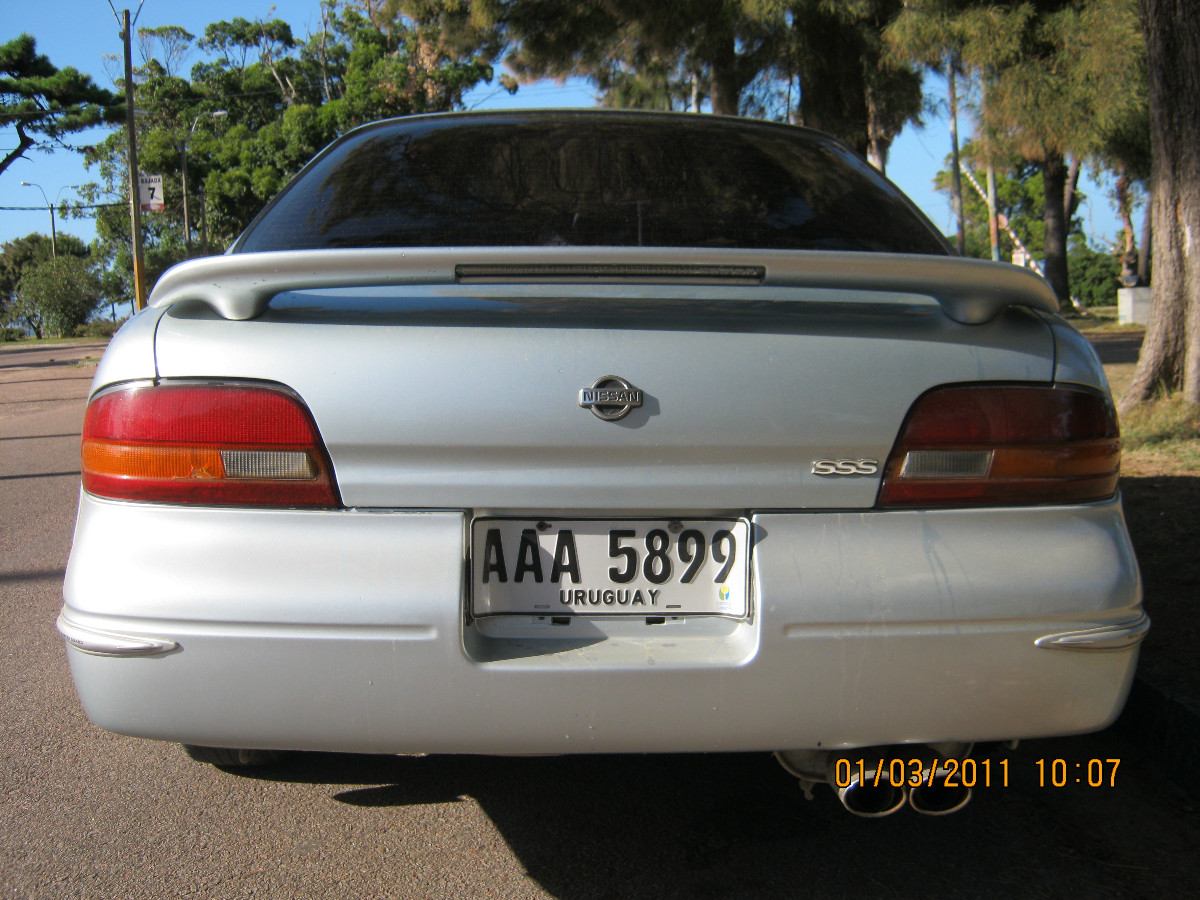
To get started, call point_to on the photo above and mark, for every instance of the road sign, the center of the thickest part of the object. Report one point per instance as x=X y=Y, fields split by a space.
x=150 y=193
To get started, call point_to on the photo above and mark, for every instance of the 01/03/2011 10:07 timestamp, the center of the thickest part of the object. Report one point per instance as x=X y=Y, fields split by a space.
x=972 y=773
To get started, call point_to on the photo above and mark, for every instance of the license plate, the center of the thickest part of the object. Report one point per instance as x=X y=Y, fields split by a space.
x=566 y=567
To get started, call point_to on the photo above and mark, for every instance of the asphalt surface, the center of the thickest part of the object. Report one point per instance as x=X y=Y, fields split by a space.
x=85 y=813
x=1117 y=347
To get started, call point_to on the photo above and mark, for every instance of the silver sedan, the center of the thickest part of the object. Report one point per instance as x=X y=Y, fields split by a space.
x=585 y=432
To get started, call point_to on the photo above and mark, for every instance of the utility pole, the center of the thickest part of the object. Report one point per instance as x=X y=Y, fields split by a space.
x=187 y=221
x=50 y=207
x=993 y=221
x=203 y=221
x=53 y=230
x=955 y=177
x=135 y=210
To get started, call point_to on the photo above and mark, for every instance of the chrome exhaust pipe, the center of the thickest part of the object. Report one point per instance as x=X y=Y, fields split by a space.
x=864 y=797
x=934 y=797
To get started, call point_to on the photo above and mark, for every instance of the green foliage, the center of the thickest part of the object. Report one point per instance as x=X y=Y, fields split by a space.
x=43 y=103
x=1094 y=273
x=846 y=66
x=1020 y=198
x=1056 y=74
x=56 y=296
x=648 y=53
x=99 y=328
x=852 y=86
x=260 y=104
x=819 y=62
x=1056 y=79
x=20 y=254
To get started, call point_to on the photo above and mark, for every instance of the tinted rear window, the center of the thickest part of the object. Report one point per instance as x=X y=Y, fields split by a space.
x=588 y=180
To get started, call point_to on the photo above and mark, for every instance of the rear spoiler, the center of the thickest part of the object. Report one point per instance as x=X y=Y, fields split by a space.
x=241 y=285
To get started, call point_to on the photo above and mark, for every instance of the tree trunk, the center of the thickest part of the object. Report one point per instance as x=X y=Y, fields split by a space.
x=726 y=91
x=24 y=142
x=1054 y=244
x=1124 y=196
x=878 y=141
x=993 y=216
x=1143 y=262
x=1170 y=357
x=1070 y=194
x=323 y=55
x=956 y=198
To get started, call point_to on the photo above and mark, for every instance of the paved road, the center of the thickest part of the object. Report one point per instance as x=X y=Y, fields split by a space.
x=1117 y=347
x=86 y=813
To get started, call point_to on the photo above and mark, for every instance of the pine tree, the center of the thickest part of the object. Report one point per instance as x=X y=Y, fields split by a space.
x=43 y=103
x=1054 y=76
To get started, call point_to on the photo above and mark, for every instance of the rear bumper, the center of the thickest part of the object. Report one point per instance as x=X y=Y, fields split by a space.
x=347 y=631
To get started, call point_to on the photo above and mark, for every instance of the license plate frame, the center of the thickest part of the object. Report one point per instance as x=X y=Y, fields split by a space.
x=508 y=554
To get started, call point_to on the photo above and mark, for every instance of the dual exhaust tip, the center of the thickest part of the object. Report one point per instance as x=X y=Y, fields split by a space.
x=873 y=795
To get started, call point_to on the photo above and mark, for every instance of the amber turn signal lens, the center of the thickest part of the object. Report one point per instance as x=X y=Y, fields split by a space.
x=999 y=445
x=132 y=461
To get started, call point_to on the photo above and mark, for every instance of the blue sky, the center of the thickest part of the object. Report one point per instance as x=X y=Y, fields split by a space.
x=84 y=34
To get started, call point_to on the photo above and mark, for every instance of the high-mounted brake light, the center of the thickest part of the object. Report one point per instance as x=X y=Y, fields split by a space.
x=995 y=445
x=214 y=444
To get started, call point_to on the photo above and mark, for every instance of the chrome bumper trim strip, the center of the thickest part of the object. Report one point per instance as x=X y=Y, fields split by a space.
x=1118 y=636
x=106 y=643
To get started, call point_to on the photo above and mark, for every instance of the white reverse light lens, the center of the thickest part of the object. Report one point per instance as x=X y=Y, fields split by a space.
x=946 y=464
x=274 y=464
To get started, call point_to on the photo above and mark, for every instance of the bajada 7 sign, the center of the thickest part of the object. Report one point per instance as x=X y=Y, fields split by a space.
x=150 y=193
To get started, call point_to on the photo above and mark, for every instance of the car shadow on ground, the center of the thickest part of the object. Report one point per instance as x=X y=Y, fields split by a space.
x=726 y=825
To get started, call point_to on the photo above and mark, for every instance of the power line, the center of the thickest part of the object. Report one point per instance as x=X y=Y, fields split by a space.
x=69 y=208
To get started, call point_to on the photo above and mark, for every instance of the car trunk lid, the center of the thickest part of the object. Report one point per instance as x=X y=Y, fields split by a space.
x=468 y=395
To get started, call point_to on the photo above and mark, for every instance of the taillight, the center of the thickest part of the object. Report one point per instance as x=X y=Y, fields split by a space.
x=238 y=445
x=995 y=445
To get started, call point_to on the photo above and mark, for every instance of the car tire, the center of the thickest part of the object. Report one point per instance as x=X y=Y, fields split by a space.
x=232 y=757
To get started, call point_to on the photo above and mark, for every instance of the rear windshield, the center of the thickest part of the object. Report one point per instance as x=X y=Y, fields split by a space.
x=589 y=180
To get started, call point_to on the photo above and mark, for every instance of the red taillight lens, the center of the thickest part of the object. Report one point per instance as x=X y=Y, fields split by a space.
x=986 y=445
x=230 y=445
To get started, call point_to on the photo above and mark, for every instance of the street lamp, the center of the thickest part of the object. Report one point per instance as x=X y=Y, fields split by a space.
x=50 y=208
x=187 y=221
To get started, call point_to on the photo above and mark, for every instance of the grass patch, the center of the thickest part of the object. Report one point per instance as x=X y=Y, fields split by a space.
x=26 y=343
x=1101 y=320
x=1168 y=420
x=1161 y=437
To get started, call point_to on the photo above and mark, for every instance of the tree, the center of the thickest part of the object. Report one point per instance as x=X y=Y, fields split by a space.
x=410 y=57
x=1055 y=76
x=936 y=33
x=724 y=44
x=42 y=103
x=169 y=45
x=1170 y=356
x=1020 y=201
x=851 y=85
x=56 y=296
x=1124 y=149
x=260 y=103
x=740 y=56
x=1094 y=272
x=21 y=254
